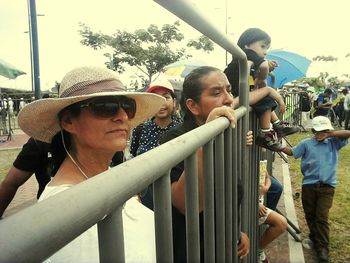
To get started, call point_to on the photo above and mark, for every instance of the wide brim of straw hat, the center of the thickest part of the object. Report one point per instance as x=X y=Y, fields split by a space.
x=39 y=119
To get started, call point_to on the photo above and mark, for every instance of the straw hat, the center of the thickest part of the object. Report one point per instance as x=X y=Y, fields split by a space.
x=39 y=119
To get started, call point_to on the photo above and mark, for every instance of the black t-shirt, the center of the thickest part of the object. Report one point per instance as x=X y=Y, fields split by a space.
x=179 y=219
x=232 y=69
x=35 y=157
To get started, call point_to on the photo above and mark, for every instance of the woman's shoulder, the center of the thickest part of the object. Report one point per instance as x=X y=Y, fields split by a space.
x=53 y=190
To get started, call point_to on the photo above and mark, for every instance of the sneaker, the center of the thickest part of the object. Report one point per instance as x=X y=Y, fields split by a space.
x=262 y=257
x=282 y=130
x=269 y=141
x=308 y=243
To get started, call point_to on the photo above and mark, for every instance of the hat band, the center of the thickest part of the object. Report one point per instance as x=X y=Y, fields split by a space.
x=86 y=88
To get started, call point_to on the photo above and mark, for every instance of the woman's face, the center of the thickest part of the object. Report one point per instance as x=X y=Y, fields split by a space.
x=107 y=134
x=216 y=93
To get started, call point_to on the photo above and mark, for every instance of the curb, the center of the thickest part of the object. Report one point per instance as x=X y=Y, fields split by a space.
x=296 y=254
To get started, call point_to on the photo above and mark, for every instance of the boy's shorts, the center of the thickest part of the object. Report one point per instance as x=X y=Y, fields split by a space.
x=263 y=105
x=263 y=218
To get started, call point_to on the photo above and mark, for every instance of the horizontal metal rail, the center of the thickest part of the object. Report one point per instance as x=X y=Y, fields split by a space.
x=61 y=218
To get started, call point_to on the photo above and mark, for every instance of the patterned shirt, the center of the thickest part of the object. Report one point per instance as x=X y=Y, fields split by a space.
x=146 y=136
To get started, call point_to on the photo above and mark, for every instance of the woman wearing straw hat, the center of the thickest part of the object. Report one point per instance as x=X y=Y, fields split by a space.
x=88 y=122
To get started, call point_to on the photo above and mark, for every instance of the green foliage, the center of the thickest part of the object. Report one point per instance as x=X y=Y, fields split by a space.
x=202 y=42
x=147 y=49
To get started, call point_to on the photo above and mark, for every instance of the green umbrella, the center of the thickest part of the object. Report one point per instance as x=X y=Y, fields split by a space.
x=9 y=71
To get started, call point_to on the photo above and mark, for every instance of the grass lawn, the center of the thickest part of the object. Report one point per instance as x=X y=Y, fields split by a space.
x=6 y=159
x=340 y=211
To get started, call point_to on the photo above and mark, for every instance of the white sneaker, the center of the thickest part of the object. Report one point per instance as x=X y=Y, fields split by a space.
x=307 y=243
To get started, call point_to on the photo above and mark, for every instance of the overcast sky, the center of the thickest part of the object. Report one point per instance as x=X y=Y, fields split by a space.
x=307 y=27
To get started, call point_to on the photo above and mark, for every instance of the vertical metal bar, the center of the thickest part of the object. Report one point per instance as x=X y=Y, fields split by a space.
x=33 y=31
x=162 y=218
x=111 y=237
x=192 y=210
x=235 y=213
x=208 y=203
x=228 y=194
x=254 y=206
x=220 y=198
x=300 y=109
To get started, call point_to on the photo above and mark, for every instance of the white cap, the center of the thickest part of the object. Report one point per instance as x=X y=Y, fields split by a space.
x=321 y=123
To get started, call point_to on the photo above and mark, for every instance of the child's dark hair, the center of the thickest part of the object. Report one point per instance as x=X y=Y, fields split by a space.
x=192 y=87
x=252 y=35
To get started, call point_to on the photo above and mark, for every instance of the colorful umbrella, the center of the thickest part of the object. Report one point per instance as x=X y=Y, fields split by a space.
x=9 y=71
x=291 y=66
x=183 y=67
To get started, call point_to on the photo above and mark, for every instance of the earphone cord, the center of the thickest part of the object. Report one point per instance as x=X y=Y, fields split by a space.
x=64 y=146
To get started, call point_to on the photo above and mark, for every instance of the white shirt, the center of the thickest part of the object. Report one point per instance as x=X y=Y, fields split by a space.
x=139 y=235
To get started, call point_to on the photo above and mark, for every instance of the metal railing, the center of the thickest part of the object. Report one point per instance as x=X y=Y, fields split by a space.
x=37 y=232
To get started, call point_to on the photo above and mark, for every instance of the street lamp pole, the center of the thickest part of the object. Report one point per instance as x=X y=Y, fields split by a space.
x=34 y=48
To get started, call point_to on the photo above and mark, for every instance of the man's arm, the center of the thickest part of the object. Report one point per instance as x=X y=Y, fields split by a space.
x=8 y=187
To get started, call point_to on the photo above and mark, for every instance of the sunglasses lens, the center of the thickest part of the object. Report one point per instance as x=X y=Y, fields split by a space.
x=108 y=109
x=129 y=105
x=105 y=109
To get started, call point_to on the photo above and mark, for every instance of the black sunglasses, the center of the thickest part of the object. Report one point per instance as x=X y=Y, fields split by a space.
x=107 y=107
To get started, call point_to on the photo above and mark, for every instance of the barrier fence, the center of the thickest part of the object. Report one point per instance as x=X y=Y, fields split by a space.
x=37 y=232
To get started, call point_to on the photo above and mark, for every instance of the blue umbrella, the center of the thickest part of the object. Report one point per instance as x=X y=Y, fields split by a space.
x=291 y=66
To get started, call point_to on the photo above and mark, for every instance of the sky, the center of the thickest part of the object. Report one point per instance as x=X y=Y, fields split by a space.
x=307 y=27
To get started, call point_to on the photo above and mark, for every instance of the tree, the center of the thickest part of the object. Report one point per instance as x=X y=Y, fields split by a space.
x=147 y=49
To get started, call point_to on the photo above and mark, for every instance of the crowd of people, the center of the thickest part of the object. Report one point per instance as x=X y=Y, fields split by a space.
x=86 y=129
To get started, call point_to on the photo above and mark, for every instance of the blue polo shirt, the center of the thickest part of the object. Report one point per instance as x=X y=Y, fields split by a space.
x=319 y=159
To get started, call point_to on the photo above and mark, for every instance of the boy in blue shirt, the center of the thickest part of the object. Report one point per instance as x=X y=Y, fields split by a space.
x=319 y=157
